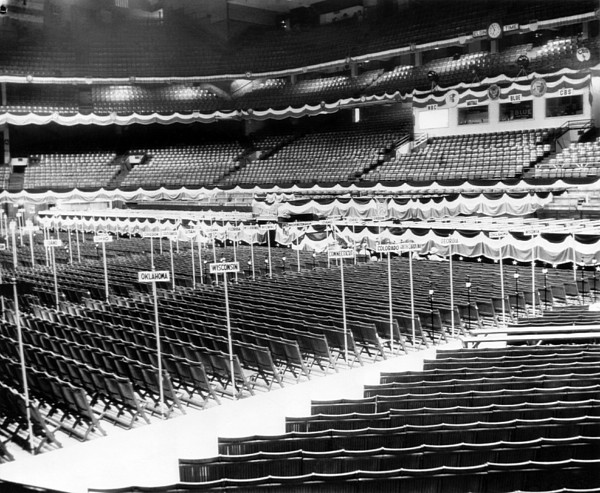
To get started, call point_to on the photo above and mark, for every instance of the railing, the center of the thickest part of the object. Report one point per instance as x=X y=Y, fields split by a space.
x=420 y=139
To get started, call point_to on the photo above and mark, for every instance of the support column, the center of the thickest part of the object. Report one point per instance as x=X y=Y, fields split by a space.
x=418 y=59
x=585 y=30
x=5 y=143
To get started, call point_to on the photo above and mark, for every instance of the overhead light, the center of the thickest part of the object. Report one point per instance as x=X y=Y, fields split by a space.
x=3 y=9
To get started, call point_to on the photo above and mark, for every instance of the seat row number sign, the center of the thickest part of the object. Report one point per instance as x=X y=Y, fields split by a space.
x=154 y=276
x=222 y=267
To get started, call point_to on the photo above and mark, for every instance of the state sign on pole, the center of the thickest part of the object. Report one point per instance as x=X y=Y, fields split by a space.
x=152 y=234
x=52 y=243
x=222 y=267
x=411 y=247
x=103 y=239
x=302 y=224
x=154 y=276
x=497 y=235
x=341 y=253
x=387 y=247
x=449 y=241
x=531 y=232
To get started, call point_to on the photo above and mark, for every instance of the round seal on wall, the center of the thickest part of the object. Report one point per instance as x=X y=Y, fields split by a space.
x=538 y=87
x=494 y=92
x=451 y=98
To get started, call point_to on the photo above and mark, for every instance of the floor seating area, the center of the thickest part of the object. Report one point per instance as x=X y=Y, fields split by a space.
x=489 y=420
x=555 y=327
x=495 y=155
x=102 y=356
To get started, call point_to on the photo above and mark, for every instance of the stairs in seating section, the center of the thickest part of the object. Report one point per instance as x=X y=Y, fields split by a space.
x=16 y=181
x=124 y=166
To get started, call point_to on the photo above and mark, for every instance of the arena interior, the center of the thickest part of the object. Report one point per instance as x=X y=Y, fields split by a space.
x=300 y=246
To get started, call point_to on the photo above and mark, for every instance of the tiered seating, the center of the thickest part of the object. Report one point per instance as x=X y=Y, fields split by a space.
x=497 y=155
x=67 y=171
x=4 y=176
x=41 y=99
x=320 y=157
x=577 y=160
x=472 y=420
x=153 y=99
x=146 y=48
x=177 y=166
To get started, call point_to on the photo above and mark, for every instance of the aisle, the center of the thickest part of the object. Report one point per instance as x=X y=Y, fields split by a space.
x=147 y=456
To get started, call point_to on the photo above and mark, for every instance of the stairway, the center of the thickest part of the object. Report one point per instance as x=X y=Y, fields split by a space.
x=125 y=168
x=16 y=180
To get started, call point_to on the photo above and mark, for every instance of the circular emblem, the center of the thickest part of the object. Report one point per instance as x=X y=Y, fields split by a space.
x=583 y=54
x=494 y=30
x=494 y=92
x=452 y=98
x=538 y=87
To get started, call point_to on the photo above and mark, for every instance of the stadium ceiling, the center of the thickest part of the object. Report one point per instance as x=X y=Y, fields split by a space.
x=275 y=5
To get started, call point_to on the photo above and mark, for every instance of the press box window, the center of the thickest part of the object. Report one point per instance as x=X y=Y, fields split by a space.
x=471 y=115
x=516 y=111
x=564 y=106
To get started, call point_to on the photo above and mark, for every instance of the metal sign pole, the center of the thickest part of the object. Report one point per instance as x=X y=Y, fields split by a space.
x=14 y=243
x=344 y=310
x=252 y=259
x=193 y=264
x=412 y=297
x=23 y=367
x=390 y=301
x=502 y=288
x=499 y=235
x=341 y=254
x=70 y=246
x=77 y=243
x=55 y=277
x=452 y=321
x=214 y=249
x=235 y=256
x=533 y=238
x=224 y=268
x=269 y=248
x=200 y=260
x=152 y=252
x=153 y=277
x=46 y=237
x=298 y=248
x=229 y=341
x=105 y=271
x=172 y=263
x=158 y=353
x=31 y=246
